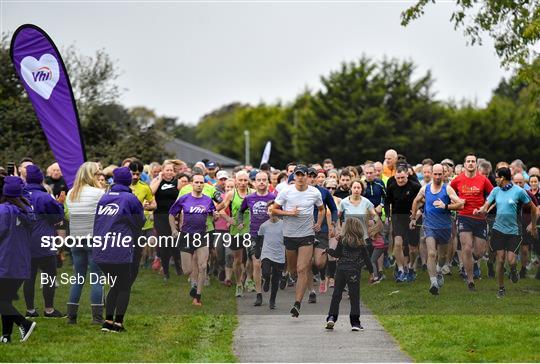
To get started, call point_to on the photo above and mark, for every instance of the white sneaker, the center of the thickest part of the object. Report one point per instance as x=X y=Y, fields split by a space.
x=330 y=324
x=440 y=280
x=445 y=269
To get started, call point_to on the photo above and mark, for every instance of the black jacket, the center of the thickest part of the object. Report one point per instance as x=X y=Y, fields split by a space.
x=351 y=258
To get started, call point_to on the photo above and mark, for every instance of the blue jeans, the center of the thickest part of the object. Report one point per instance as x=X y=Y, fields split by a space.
x=82 y=258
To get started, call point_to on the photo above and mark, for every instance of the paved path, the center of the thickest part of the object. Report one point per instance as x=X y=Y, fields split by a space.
x=265 y=335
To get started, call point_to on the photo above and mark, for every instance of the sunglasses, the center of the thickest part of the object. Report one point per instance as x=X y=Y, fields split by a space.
x=331 y=188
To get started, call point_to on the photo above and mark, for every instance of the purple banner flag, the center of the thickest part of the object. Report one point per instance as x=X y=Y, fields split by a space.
x=44 y=76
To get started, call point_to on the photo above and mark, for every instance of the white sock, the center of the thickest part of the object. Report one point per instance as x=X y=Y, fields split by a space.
x=433 y=280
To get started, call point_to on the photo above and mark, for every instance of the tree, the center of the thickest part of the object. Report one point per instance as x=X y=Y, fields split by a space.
x=20 y=133
x=110 y=131
x=513 y=25
x=365 y=108
x=92 y=78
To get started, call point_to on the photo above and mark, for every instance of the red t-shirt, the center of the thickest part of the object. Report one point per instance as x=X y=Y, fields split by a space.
x=473 y=190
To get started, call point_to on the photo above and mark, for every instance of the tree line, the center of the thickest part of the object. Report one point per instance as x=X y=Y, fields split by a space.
x=362 y=108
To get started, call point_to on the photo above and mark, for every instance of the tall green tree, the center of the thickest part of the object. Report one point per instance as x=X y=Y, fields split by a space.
x=513 y=25
x=366 y=107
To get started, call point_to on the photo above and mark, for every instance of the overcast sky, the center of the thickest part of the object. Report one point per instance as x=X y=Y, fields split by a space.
x=185 y=59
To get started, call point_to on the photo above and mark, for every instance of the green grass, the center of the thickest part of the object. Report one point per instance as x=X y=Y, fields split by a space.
x=161 y=323
x=459 y=325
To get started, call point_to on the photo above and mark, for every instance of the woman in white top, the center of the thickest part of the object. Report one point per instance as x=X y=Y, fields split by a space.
x=81 y=203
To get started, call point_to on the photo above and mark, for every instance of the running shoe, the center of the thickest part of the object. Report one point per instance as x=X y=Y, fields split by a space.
x=401 y=277
x=193 y=291
x=514 y=275
x=250 y=285
x=26 y=329
x=283 y=281
x=357 y=327
x=266 y=285
x=411 y=276
x=295 y=310
x=434 y=289
x=440 y=280
x=312 y=297
x=501 y=292
x=239 y=291
x=291 y=281
x=322 y=287
x=272 y=304
x=31 y=314
x=258 y=300
x=117 y=327
x=382 y=277
x=196 y=302
x=386 y=262
x=477 y=273
x=107 y=327
x=446 y=270
x=54 y=314
x=330 y=324
x=471 y=286
x=4 y=339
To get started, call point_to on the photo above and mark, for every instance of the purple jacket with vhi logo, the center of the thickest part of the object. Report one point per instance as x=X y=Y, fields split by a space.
x=119 y=214
x=48 y=213
x=15 y=229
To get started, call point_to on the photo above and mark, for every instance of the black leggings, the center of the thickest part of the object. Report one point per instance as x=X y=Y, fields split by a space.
x=10 y=315
x=48 y=266
x=352 y=280
x=118 y=296
x=269 y=267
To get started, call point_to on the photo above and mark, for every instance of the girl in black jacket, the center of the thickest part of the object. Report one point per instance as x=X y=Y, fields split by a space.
x=352 y=254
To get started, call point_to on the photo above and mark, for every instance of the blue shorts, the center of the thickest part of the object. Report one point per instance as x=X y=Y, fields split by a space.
x=441 y=236
x=476 y=226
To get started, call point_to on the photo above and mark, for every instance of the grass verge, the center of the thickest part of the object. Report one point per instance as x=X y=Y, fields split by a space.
x=161 y=323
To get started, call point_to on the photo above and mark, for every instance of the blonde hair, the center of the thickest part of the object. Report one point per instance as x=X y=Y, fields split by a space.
x=353 y=233
x=86 y=176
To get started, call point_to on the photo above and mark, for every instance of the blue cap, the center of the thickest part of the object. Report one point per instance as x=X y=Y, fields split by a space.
x=291 y=179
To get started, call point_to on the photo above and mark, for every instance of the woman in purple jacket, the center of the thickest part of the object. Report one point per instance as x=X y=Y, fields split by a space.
x=49 y=215
x=119 y=214
x=15 y=225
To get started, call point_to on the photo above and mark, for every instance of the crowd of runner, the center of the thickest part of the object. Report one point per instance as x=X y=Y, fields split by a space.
x=262 y=229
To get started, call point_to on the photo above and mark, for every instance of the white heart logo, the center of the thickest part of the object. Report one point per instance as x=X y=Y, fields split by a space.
x=41 y=75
